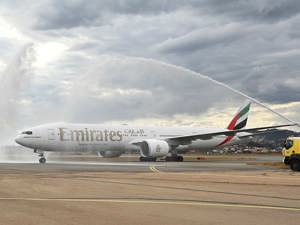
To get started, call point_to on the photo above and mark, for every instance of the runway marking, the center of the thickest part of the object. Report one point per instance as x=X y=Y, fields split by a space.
x=156 y=201
x=154 y=169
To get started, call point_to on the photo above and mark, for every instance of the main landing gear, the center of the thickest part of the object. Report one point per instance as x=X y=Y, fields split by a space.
x=174 y=158
x=42 y=158
x=147 y=159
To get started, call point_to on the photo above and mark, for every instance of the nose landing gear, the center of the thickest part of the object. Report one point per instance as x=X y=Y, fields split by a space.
x=42 y=158
x=173 y=156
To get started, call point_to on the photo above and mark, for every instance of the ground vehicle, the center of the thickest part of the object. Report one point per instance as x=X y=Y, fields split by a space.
x=291 y=153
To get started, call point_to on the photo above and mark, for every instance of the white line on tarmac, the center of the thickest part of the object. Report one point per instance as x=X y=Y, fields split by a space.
x=161 y=202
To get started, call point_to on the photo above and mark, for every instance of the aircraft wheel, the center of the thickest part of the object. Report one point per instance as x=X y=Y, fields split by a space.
x=142 y=159
x=42 y=160
x=148 y=159
x=179 y=158
x=170 y=159
x=174 y=158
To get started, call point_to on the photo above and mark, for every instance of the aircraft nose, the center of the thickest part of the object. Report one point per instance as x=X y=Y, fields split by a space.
x=18 y=140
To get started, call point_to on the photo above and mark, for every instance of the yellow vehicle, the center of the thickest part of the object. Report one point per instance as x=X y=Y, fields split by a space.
x=291 y=153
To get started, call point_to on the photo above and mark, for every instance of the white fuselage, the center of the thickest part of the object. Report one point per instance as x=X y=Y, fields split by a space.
x=93 y=137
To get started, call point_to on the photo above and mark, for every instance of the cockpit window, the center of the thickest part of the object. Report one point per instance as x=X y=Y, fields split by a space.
x=288 y=144
x=27 y=132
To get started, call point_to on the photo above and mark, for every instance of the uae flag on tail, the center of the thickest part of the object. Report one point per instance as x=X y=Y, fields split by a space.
x=240 y=119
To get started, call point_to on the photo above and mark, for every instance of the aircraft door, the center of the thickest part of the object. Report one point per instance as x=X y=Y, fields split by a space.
x=51 y=134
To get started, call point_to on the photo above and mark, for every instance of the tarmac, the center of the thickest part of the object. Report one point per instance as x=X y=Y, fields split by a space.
x=130 y=192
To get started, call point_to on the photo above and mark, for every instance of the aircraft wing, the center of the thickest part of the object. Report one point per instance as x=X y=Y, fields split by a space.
x=187 y=139
x=247 y=135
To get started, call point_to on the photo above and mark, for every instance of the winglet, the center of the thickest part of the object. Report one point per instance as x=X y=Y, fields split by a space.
x=240 y=119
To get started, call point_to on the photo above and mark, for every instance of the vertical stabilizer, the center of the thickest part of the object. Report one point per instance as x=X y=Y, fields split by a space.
x=240 y=119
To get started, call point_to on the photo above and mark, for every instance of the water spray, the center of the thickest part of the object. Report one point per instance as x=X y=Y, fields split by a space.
x=229 y=88
x=13 y=81
x=252 y=99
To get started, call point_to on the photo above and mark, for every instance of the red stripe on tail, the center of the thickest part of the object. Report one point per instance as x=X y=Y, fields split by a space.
x=229 y=138
x=233 y=122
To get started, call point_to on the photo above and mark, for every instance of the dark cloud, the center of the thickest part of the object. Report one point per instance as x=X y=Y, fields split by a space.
x=203 y=38
x=256 y=10
x=281 y=94
x=69 y=14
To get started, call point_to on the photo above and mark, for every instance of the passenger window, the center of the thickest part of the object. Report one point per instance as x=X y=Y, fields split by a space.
x=288 y=144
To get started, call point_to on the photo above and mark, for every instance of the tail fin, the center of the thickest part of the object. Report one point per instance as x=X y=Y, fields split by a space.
x=240 y=119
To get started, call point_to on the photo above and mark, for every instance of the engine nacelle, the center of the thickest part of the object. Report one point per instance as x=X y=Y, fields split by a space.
x=110 y=154
x=154 y=148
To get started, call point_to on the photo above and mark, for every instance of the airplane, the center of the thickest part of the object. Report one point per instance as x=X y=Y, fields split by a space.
x=152 y=142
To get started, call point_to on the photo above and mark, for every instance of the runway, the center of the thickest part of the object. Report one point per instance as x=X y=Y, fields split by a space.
x=223 y=192
x=125 y=166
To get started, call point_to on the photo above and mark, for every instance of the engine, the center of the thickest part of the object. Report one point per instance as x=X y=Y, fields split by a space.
x=110 y=154
x=154 y=148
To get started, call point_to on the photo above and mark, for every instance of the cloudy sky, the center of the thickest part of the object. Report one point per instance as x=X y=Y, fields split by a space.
x=139 y=61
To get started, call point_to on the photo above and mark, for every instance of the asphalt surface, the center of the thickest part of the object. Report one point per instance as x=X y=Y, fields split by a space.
x=56 y=166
